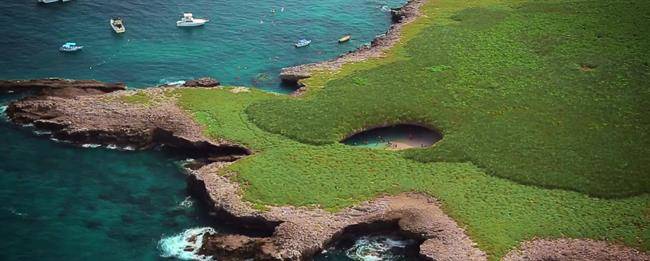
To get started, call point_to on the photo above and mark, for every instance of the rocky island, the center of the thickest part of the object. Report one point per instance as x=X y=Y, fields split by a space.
x=501 y=184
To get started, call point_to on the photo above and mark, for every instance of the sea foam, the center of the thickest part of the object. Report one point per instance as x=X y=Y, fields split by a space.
x=185 y=245
x=3 y=109
x=172 y=81
x=375 y=248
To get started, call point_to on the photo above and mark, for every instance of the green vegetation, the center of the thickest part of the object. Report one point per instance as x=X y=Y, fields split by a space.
x=547 y=93
x=514 y=90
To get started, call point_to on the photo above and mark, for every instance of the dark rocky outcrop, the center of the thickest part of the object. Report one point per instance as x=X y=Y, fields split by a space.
x=300 y=233
x=107 y=120
x=60 y=87
x=202 y=82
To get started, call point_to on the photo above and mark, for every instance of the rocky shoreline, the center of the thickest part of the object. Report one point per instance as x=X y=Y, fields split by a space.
x=91 y=112
x=109 y=120
x=282 y=232
x=400 y=17
x=59 y=87
x=290 y=233
x=300 y=233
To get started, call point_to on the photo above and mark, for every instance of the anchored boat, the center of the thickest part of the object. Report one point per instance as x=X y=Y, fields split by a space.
x=302 y=43
x=188 y=21
x=70 y=47
x=345 y=38
x=118 y=25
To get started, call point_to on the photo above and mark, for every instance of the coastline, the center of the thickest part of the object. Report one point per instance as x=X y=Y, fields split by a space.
x=285 y=225
x=294 y=233
x=402 y=16
x=283 y=232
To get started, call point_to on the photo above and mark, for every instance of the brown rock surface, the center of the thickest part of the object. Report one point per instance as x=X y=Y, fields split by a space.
x=574 y=249
x=60 y=87
x=202 y=82
x=109 y=120
x=300 y=232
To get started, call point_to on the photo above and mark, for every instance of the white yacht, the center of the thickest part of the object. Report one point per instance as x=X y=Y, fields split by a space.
x=189 y=20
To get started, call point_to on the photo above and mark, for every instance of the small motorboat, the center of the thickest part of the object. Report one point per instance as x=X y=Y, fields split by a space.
x=70 y=47
x=118 y=25
x=345 y=38
x=188 y=20
x=302 y=43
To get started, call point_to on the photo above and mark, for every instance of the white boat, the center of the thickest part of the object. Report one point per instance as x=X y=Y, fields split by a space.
x=188 y=20
x=118 y=25
x=70 y=47
x=302 y=43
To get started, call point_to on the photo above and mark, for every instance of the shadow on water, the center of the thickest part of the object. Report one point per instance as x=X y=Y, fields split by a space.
x=400 y=136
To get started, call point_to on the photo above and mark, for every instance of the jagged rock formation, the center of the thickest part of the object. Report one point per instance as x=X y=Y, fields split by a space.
x=202 y=82
x=108 y=120
x=60 y=87
x=299 y=233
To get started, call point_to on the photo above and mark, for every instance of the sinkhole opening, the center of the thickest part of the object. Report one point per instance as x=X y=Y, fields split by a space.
x=395 y=137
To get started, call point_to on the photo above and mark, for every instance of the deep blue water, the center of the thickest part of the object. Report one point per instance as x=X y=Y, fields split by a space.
x=58 y=202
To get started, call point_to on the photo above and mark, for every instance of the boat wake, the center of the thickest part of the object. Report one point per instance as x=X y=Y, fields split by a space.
x=185 y=245
x=375 y=248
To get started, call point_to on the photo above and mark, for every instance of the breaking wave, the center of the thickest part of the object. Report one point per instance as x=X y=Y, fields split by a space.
x=3 y=109
x=171 y=81
x=376 y=248
x=185 y=245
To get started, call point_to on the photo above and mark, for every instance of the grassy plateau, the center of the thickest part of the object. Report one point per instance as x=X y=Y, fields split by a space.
x=544 y=107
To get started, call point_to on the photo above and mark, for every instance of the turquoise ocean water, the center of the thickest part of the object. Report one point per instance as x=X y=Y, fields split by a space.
x=58 y=202
x=245 y=42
